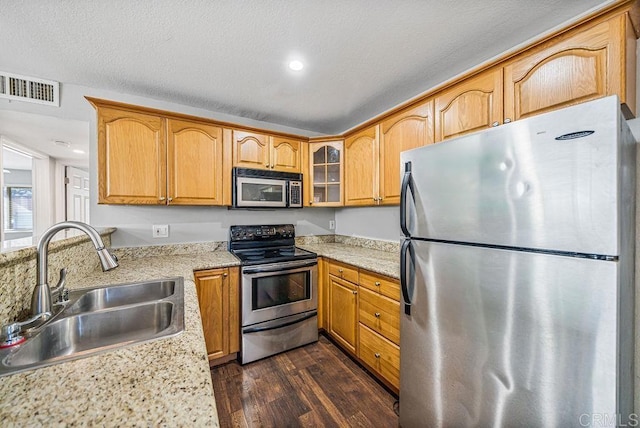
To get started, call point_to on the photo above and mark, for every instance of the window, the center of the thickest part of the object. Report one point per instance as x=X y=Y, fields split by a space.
x=18 y=209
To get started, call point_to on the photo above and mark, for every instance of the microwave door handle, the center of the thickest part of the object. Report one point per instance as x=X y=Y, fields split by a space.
x=407 y=186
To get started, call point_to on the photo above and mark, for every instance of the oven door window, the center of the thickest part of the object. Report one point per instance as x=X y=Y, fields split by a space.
x=278 y=290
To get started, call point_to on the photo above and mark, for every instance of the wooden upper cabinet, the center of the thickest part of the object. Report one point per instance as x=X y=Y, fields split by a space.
x=361 y=167
x=469 y=106
x=577 y=67
x=250 y=150
x=324 y=179
x=131 y=157
x=194 y=155
x=285 y=154
x=261 y=151
x=406 y=130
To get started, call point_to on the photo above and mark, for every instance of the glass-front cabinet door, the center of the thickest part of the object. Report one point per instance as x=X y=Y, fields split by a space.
x=326 y=173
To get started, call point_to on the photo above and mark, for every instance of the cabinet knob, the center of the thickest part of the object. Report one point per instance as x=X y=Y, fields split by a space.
x=355 y=292
x=507 y=120
x=225 y=274
x=377 y=355
x=377 y=314
x=169 y=199
x=310 y=202
x=340 y=270
x=266 y=165
x=272 y=166
x=377 y=283
x=496 y=123
x=162 y=198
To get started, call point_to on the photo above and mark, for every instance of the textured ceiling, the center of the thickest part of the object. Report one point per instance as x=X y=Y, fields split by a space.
x=39 y=133
x=362 y=57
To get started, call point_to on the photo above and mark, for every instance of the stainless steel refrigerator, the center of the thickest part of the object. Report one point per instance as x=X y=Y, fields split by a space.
x=517 y=274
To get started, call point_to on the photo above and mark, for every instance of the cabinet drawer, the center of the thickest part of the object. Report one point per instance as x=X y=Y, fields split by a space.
x=380 y=314
x=384 y=285
x=346 y=272
x=380 y=355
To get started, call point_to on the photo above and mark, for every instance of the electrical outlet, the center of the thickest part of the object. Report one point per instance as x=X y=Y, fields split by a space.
x=160 y=230
x=332 y=224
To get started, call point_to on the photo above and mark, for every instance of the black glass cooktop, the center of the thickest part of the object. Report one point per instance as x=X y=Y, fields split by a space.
x=258 y=256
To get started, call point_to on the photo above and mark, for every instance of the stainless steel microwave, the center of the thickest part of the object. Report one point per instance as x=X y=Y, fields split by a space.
x=255 y=188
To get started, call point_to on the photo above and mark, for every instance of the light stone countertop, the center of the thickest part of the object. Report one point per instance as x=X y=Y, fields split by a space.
x=165 y=382
x=382 y=262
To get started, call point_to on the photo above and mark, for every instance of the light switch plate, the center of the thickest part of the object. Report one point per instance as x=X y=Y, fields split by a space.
x=332 y=224
x=160 y=230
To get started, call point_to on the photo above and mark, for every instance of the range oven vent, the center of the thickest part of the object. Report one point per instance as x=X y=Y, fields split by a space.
x=30 y=89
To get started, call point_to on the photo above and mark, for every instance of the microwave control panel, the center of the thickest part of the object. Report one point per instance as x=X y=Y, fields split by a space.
x=295 y=194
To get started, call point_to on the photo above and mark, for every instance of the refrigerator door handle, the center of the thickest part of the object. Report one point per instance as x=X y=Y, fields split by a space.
x=407 y=184
x=404 y=284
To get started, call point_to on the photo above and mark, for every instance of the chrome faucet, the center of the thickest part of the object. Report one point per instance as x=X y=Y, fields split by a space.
x=41 y=300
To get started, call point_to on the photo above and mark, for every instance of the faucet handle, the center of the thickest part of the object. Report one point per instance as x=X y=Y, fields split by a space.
x=10 y=335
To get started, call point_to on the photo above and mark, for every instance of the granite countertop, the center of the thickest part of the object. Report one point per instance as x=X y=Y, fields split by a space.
x=382 y=262
x=165 y=382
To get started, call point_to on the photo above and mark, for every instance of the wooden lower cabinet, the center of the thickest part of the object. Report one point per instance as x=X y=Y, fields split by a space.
x=363 y=316
x=380 y=354
x=380 y=314
x=343 y=315
x=218 y=297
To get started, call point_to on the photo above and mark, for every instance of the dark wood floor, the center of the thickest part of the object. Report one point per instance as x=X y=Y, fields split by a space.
x=313 y=386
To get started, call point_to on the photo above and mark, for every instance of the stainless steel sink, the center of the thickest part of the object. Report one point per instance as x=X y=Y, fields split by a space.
x=127 y=294
x=99 y=320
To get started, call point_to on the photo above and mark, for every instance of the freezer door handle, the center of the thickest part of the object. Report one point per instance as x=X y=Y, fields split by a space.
x=407 y=184
x=406 y=248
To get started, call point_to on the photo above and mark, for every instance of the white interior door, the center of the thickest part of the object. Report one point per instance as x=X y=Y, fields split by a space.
x=77 y=194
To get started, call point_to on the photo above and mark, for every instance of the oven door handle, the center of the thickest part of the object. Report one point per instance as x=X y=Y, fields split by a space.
x=283 y=269
x=285 y=324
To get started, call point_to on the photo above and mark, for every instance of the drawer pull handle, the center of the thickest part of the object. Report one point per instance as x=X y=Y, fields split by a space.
x=377 y=283
x=377 y=355
x=377 y=314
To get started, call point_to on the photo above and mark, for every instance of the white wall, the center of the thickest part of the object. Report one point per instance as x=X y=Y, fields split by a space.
x=201 y=224
x=369 y=222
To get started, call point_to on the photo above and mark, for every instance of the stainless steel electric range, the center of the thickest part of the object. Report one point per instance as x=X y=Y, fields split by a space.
x=279 y=290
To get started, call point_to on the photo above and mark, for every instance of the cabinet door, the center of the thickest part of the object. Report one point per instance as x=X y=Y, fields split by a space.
x=361 y=168
x=406 y=130
x=342 y=312
x=579 y=67
x=131 y=158
x=469 y=106
x=285 y=155
x=250 y=150
x=194 y=163
x=323 y=294
x=213 y=296
x=326 y=174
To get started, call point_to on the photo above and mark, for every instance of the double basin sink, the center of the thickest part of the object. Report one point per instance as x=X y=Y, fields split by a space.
x=101 y=319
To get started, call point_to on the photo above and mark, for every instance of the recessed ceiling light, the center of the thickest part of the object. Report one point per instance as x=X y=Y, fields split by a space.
x=78 y=151
x=296 y=65
x=62 y=143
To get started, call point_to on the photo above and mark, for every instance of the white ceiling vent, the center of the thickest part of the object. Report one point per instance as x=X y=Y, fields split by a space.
x=30 y=89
